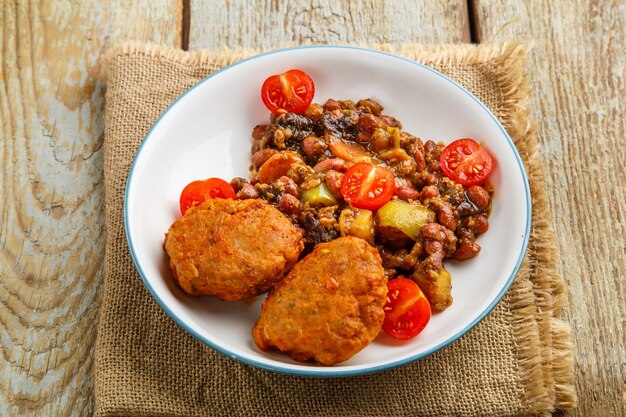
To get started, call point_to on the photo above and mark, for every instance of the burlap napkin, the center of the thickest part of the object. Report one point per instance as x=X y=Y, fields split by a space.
x=518 y=361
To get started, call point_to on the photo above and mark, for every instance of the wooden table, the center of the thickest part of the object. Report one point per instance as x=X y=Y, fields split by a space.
x=51 y=109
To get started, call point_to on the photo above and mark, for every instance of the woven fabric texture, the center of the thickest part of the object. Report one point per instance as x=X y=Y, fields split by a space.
x=517 y=361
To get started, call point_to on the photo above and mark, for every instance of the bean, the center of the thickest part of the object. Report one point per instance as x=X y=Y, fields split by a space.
x=430 y=191
x=237 y=183
x=313 y=145
x=381 y=139
x=368 y=123
x=467 y=249
x=434 y=231
x=260 y=157
x=446 y=217
x=406 y=193
x=247 y=191
x=405 y=167
x=337 y=164
x=258 y=131
x=481 y=224
x=290 y=186
x=373 y=106
x=289 y=204
x=347 y=104
x=479 y=196
x=331 y=105
x=420 y=162
x=432 y=246
x=333 y=180
x=430 y=146
x=391 y=121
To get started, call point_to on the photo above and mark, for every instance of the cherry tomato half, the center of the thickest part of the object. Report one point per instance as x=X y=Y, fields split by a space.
x=407 y=311
x=367 y=186
x=289 y=92
x=197 y=192
x=465 y=162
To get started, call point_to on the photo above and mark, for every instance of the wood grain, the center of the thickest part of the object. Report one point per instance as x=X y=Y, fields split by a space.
x=578 y=76
x=52 y=233
x=268 y=24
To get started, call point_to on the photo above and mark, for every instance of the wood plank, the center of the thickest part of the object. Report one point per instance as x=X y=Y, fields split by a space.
x=52 y=233
x=270 y=24
x=578 y=78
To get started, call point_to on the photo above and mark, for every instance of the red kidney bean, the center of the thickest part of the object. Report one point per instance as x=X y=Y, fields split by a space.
x=481 y=224
x=260 y=157
x=478 y=195
x=289 y=204
x=258 y=131
x=331 y=105
x=430 y=191
x=372 y=105
x=434 y=231
x=381 y=139
x=237 y=183
x=406 y=193
x=391 y=121
x=247 y=191
x=430 y=146
x=368 y=123
x=419 y=160
x=446 y=217
x=466 y=250
x=337 y=164
x=290 y=186
x=333 y=180
x=313 y=145
x=432 y=246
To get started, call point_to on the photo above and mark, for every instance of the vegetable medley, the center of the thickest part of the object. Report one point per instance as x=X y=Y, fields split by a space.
x=346 y=168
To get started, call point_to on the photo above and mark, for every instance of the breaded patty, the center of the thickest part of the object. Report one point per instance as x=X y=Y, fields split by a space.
x=233 y=249
x=329 y=306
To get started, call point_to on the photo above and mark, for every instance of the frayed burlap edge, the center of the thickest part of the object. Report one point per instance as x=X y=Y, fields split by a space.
x=548 y=287
x=546 y=368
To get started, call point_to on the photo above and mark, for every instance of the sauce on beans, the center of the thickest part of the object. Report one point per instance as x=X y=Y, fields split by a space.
x=298 y=164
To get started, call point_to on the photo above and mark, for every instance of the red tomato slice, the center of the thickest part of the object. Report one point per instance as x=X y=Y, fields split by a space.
x=367 y=186
x=289 y=92
x=407 y=311
x=197 y=192
x=464 y=161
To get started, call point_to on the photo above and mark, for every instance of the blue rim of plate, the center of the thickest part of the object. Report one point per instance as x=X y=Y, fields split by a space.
x=313 y=371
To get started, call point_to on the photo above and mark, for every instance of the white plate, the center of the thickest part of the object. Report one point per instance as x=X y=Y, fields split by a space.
x=206 y=133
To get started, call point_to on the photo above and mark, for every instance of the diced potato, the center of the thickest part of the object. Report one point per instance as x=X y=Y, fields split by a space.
x=278 y=165
x=398 y=219
x=436 y=287
x=358 y=223
x=319 y=196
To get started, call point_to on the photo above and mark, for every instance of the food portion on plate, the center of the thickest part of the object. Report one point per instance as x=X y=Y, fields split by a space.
x=371 y=211
x=233 y=249
x=329 y=306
